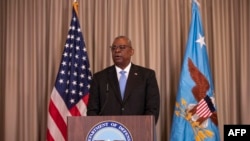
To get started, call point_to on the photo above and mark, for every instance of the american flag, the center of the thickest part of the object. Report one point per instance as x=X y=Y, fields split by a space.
x=70 y=93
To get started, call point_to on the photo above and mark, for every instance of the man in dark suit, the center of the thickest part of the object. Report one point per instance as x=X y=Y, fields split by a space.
x=141 y=96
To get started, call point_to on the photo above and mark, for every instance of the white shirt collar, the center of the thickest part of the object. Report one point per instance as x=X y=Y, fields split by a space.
x=126 y=69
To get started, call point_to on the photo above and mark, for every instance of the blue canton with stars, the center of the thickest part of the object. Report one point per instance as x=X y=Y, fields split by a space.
x=74 y=76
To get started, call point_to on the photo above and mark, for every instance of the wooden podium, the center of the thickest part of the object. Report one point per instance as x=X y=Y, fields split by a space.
x=84 y=128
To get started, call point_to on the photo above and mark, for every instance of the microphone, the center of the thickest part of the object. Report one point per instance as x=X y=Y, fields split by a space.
x=106 y=99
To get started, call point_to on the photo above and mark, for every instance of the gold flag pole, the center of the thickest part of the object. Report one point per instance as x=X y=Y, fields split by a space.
x=75 y=5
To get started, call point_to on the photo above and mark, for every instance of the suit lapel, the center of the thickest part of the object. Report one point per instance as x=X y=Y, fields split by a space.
x=131 y=81
x=113 y=81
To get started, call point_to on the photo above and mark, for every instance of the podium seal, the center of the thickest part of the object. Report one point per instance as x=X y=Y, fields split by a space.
x=109 y=131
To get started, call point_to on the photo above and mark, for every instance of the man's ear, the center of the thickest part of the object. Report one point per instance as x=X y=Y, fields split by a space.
x=132 y=52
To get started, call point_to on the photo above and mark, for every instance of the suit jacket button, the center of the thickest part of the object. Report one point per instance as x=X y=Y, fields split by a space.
x=123 y=109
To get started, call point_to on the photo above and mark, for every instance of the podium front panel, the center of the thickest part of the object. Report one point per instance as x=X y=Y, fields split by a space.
x=134 y=128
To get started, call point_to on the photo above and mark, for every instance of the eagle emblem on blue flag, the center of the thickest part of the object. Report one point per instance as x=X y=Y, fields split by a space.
x=205 y=108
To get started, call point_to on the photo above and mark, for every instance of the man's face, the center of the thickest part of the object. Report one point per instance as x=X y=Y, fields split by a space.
x=121 y=52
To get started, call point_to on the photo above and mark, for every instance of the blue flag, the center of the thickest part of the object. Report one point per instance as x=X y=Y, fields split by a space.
x=195 y=114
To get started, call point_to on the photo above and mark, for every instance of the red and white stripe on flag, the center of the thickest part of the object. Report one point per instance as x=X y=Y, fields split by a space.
x=203 y=109
x=57 y=117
